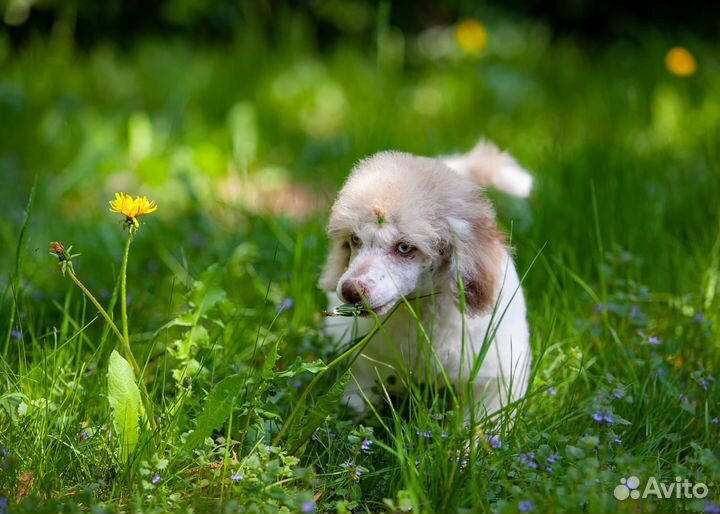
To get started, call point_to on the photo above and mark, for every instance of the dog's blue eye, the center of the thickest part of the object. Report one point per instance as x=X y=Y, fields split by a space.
x=404 y=248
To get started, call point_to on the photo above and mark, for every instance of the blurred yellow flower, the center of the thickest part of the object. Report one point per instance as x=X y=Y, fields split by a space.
x=132 y=209
x=680 y=62
x=471 y=36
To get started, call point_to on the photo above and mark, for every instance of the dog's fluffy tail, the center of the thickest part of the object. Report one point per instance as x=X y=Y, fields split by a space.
x=490 y=167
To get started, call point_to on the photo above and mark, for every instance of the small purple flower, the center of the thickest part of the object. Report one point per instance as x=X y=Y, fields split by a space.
x=617 y=440
x=314 y=437
x=443 y=435
x=307 y=507
x=156 y=479
x=551 y=391
x=698 y=318
x=598 y=308
x=348 y=464
x=286 y=304
x=603 y=419
x=528 y=459
x=704 y=383
x=16 y=334
x=297 y=384
x=417 y=463
x=715 y=421
x=653 y=340
x=426 y=434
x=5 y=452
x=548 y=469
x=619 y=393
x=525 y=506
x=84 y=435
x=3 y=505
x=493 y=441
x=554 y=458
x=711 y=508
x=236 y=477
x=365 y=445
x=634 y=312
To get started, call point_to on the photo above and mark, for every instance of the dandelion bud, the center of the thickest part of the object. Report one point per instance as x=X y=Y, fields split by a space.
x=57 y=249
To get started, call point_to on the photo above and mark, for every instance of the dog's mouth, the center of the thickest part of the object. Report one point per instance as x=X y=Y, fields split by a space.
x=381 y=310
x=360 y=309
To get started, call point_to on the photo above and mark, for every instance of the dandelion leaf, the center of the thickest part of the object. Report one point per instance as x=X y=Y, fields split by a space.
x=218 y=407
x=321 y=410
x=125 y=404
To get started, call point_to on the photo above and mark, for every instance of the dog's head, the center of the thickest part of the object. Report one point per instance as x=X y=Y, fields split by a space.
x=405 y=226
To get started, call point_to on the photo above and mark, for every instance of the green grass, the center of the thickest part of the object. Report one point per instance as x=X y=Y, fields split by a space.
x=624 y=218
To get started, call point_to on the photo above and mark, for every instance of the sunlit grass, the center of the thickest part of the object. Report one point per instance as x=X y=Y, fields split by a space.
x=243 y=147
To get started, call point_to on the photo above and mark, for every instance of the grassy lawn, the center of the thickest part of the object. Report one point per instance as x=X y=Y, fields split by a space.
x=243 y=146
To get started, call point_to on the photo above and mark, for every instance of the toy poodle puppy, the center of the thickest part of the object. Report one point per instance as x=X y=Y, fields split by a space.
x=415 y=241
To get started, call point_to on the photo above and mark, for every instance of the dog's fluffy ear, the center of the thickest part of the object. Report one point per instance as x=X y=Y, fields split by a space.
x=335 y=265
x=478 y=254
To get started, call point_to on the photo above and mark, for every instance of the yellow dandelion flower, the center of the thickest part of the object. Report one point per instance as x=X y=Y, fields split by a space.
x=679 y=61
x=132 y=209
x=471 y=36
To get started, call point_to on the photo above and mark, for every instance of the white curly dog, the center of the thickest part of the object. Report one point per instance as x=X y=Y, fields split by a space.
x=415 y=240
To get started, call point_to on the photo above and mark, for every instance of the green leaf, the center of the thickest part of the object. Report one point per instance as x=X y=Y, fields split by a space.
x=575 y=452
x=270 y=361
x=321 y=410
x=300 y=366
x=208 y=292
x=218 y=406
x=124 y=399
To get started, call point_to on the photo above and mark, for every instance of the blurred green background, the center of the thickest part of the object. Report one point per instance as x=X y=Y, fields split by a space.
x=225 y=112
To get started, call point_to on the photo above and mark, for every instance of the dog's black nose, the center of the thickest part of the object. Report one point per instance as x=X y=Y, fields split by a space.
x=353 y=291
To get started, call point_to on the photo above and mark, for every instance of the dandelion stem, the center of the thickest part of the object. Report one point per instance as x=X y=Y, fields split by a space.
x=97 y=305
x=123 y=296
x=126 y=334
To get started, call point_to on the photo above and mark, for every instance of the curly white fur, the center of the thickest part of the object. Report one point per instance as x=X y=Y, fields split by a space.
x=419 y=229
